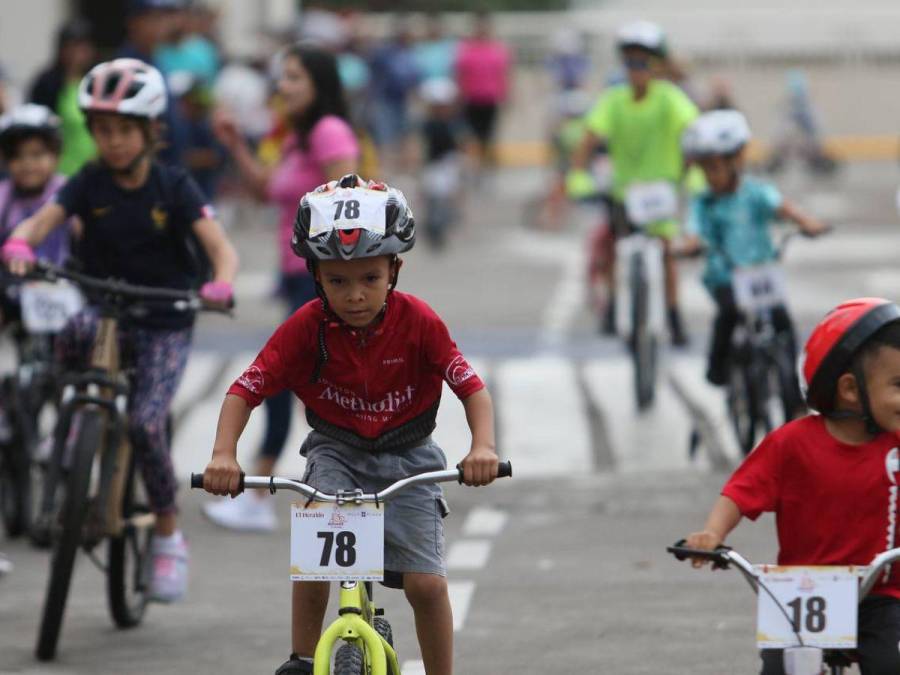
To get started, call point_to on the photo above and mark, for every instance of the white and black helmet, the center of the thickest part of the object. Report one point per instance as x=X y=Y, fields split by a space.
x=718 y=132
x=352 y=218
x=26 y=121
x=644 y=35
x=124 y=86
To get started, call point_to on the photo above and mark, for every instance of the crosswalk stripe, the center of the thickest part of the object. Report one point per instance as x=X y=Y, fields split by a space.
x=468 y=554
x=484 y=521
x=461 y=593
x=541 y=416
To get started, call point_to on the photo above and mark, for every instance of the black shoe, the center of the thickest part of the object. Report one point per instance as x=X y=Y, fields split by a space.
x=294 y=666
x=676 y=330
x=608 y=320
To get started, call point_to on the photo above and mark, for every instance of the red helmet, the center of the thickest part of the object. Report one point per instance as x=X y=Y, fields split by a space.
x=833 y=343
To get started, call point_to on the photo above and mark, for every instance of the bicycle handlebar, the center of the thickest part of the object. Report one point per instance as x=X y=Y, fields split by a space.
x=273 y=484
x=182 y=300
x=723 y=557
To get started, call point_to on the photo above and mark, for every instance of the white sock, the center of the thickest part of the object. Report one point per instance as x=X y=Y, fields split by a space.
x=173 y=539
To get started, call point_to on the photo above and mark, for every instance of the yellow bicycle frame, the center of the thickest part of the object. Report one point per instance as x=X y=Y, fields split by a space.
x=354 y=625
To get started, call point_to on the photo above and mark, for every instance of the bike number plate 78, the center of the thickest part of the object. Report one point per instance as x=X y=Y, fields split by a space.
x=337 y=543
x=819 y=603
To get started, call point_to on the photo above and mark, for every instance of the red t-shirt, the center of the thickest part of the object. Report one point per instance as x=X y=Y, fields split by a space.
x=375 y=380
x=834 y=503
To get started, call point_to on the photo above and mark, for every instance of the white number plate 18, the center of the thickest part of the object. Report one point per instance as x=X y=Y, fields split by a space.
x=820 y=603
x=47 y=307
x=337 y=543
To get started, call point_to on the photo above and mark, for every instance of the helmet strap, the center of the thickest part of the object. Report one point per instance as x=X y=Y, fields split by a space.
x=872 y=427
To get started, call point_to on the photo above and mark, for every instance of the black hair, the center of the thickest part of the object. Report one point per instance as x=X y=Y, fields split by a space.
x=9 y=145
x=329 y=98
x=886 y=336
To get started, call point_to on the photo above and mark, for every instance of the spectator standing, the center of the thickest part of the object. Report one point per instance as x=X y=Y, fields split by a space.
x=56 y=87
x=321 y=147
x=482 y=73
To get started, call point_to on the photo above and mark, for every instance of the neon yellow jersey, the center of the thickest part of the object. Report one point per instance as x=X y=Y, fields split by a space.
x=644 y=136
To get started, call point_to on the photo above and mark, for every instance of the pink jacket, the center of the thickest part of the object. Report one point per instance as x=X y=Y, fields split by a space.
x=482 y=71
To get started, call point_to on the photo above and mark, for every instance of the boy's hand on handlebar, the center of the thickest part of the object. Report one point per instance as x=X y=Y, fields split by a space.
x=18 y=256
x=480 y=466
x=222 y=476
x=707 y=540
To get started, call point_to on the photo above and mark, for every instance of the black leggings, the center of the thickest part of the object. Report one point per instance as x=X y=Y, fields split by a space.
x=879 y=635
x=724 y=324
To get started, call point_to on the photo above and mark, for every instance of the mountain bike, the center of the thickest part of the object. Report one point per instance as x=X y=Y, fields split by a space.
x=91 y=492
x=368 y=641
x=804 y=616
x=640 y=282
x=762 y=391
x=28 y=396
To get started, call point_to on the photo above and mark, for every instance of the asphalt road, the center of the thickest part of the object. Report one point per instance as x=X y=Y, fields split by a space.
x=563 y=567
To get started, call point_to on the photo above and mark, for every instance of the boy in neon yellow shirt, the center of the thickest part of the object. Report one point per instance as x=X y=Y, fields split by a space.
x=641 y=121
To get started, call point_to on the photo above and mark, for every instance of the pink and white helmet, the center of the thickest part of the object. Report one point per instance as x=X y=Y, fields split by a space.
x=124 y=86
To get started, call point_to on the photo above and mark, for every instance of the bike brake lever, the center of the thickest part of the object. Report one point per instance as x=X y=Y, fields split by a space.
x=716 y=557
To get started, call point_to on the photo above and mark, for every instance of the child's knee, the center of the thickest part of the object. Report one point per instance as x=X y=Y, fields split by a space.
x=424 y=589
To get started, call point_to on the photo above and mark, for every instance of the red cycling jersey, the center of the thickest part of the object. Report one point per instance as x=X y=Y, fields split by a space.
x=378 y=387
x=834 y=503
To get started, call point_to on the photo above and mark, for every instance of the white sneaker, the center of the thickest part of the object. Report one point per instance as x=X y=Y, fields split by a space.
x=6 y=565
x=170 y=568
x=246 y=512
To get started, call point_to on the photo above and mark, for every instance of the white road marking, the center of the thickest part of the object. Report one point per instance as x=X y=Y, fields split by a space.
x=412 y=668
x=484 y=521
x=461 y=593
x=468 y=554
x=567 y=302
x=654 y=439
x=541 y=417
x=201 y=368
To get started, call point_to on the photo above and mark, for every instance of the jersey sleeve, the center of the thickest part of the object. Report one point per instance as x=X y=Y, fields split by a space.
x=72 y=196
x=684 y=109
x=190 y=203
x=332 y=140
x=599 y=119
x=444 y=355
x=274 y=367
x=768 y=201
x=755 y=485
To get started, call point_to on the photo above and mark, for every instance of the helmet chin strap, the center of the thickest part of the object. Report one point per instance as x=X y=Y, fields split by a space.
x=865 y=415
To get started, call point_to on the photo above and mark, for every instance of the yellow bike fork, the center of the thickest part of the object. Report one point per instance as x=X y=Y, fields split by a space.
x=352 y=626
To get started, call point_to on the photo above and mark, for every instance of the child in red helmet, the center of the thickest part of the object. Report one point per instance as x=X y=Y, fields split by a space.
x=832 y=478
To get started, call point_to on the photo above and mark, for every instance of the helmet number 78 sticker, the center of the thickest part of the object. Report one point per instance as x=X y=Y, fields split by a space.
x=347 y=209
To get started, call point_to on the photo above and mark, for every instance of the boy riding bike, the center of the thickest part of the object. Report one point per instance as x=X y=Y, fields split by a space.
x=641 y=122
x=368 y=363
x=732 y=218
x=831 y=479
x=138 y=220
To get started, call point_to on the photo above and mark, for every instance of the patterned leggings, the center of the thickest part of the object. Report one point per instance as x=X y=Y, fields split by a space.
x=157 y=359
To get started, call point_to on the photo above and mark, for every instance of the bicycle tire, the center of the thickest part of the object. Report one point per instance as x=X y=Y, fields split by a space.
x=643 y=347
x=349 y=660
x=15 y=472
x=127 y=578
x=75 y=508
x=741 y=405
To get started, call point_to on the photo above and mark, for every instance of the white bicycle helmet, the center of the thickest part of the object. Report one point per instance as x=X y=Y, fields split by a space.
x=644 y=35
x=718 y=132
x=25 y=121
x=438 y=91
x=351 y=219
x=124 y=86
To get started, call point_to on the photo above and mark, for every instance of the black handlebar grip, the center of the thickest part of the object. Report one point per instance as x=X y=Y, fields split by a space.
x=504 y=470
x=197 y=481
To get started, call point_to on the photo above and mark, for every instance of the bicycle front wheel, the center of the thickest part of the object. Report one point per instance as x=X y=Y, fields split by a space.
x=741 y=404
x=349 y=660
x=643 y=341
x=128 y=577
x=75 y=509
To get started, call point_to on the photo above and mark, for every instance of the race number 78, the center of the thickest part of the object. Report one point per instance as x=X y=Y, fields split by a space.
x=343 y=546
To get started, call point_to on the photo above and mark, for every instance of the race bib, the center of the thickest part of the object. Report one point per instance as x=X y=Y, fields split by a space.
x=759 y=287
x=341 y=209
x=47 y=307
x=337 y=543
x=819 y=603
x=647 y=203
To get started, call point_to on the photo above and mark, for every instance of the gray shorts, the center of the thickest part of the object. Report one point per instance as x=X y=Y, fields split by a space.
x=413 y=527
